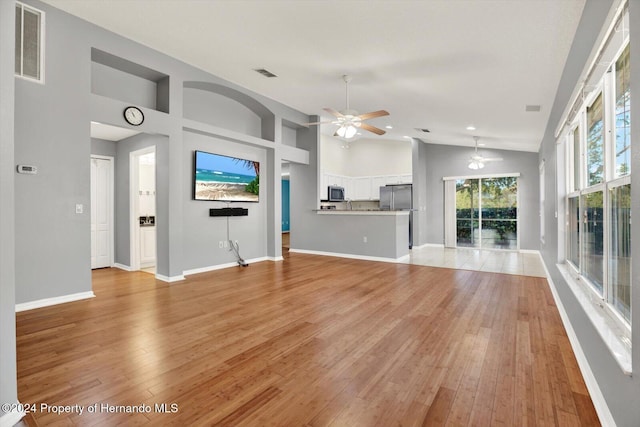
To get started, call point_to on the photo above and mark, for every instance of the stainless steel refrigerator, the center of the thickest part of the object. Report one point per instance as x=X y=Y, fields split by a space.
x=398 y=198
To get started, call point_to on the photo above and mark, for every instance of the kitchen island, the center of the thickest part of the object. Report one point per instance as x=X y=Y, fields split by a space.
x=363 y=234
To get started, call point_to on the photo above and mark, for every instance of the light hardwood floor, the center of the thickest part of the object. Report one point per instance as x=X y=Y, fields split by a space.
x=308 y=341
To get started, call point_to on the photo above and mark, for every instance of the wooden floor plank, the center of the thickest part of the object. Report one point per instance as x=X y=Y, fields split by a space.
x=308 y=341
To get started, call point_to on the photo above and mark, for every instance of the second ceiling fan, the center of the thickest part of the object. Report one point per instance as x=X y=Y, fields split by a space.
x=349 y=121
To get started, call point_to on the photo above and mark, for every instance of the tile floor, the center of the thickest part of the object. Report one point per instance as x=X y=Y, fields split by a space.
x=508 y=262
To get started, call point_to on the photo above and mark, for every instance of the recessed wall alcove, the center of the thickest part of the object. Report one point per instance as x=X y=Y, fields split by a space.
x=227 y=108
x=124 y=80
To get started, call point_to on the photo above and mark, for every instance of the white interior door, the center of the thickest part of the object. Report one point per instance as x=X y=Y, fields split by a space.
x=101 y=212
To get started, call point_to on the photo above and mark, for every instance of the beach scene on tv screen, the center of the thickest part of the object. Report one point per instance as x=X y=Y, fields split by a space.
x=226 y=179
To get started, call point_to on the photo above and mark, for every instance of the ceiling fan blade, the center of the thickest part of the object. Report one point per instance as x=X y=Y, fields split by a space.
x=492 y=159
x=373 y=114
x=373 y=129
x=338 y=114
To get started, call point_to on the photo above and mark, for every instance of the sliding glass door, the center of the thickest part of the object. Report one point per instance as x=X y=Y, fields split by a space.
x=487 y=213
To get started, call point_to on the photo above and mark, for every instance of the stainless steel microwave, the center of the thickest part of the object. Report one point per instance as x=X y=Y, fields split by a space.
x=335 y=193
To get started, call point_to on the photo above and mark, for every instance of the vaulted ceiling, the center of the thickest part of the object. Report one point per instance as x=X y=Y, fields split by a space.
x=441 y=65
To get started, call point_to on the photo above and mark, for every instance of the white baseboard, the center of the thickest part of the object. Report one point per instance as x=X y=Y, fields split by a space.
x=227 y=265
x=11 y=418
x=530 y=251
x=275 y=258
x=429 y=245
x=122 y=267
x=53 y=301
x=171 y=279
x=599 y=402
x=352 y=256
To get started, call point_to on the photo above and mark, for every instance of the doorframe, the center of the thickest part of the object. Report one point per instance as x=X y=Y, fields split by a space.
x=134 y=205
x=111 y=208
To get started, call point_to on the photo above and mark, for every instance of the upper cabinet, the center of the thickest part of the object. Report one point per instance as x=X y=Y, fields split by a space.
x=361 y=187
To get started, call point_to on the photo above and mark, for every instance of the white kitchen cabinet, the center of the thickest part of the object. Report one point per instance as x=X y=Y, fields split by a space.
x=147 y=247
x=362 y=188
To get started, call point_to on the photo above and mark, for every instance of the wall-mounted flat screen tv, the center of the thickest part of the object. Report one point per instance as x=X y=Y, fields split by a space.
x=225 y=179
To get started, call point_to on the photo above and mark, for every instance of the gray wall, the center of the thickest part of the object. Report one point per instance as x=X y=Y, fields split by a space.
x=8 y=382
x=208 y=107
x=621 y=392
x=103 y=147
x=420 y=199
x=122 y=224
x=53 y=132
x=53 y=252
x=202 y=233
x=443 y=160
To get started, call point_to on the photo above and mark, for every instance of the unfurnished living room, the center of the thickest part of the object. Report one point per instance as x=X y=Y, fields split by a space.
x=321 y=212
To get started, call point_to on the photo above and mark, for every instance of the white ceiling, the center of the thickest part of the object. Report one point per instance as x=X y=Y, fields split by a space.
x=436 y=64
x=110 y=133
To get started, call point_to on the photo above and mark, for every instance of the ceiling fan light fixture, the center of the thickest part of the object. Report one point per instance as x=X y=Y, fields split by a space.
x=475 y=164
x=347 y=131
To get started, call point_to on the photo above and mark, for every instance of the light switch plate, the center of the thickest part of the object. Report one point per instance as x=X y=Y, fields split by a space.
x=79 y=208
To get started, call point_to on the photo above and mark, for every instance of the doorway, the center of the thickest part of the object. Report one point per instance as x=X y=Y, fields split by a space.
x=487 y=213
x=102 y=217
x=286 y=210
x=142 y=165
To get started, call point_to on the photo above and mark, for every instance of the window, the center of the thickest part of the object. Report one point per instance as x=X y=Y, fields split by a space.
x=595 y=142
x=487 y=212
x=573 y=250
x=29 y=42
x=592 y=239
x=598 y=201
x=623 y=116
x=620 y=253
x=575 y=139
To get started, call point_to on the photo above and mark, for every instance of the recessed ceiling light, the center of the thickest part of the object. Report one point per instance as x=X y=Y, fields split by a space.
x=408 y=137
x=471 y=127
x=389 y=127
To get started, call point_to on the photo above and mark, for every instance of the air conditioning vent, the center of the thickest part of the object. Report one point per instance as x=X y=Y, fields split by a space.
x=532 y=108
x=264 y=72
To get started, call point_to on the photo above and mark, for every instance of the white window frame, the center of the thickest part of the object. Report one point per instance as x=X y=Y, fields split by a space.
x=41 y=44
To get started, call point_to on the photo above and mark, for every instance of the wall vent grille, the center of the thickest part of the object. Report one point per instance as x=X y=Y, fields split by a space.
x=264 y=72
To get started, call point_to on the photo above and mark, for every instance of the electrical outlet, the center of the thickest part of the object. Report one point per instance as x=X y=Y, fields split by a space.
x=221 y=244
x=364 y=239
x=79 y=208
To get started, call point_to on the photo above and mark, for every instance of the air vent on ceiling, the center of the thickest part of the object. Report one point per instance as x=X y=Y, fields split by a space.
x=264 y=72
x=532 y=108
x=423 y=130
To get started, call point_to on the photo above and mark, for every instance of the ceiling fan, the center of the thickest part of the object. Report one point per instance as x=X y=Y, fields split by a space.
x=477 y=161
x=349 y=121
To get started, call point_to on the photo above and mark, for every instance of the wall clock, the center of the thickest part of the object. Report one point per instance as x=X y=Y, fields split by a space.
x=133 y=116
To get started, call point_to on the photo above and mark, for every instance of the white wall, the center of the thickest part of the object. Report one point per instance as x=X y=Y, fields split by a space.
x=365 y=157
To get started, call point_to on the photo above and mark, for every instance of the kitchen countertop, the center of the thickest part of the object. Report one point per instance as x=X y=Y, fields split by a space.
x=359 y=212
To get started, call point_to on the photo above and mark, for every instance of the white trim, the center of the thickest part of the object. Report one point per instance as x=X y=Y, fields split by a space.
x=171 y=279
x=54 y=301
x=605 y=320
x=12 y=417
x=134 y=210
x=430 y=245
x=353 y=256
x=485 y=176
x=112 y=204
x=599 y=402
x=226 y=265
x=531 y=251
x=275 y=259
x=122 y=266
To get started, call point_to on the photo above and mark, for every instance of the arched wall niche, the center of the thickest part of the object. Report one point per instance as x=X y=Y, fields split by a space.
x=228 y=108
